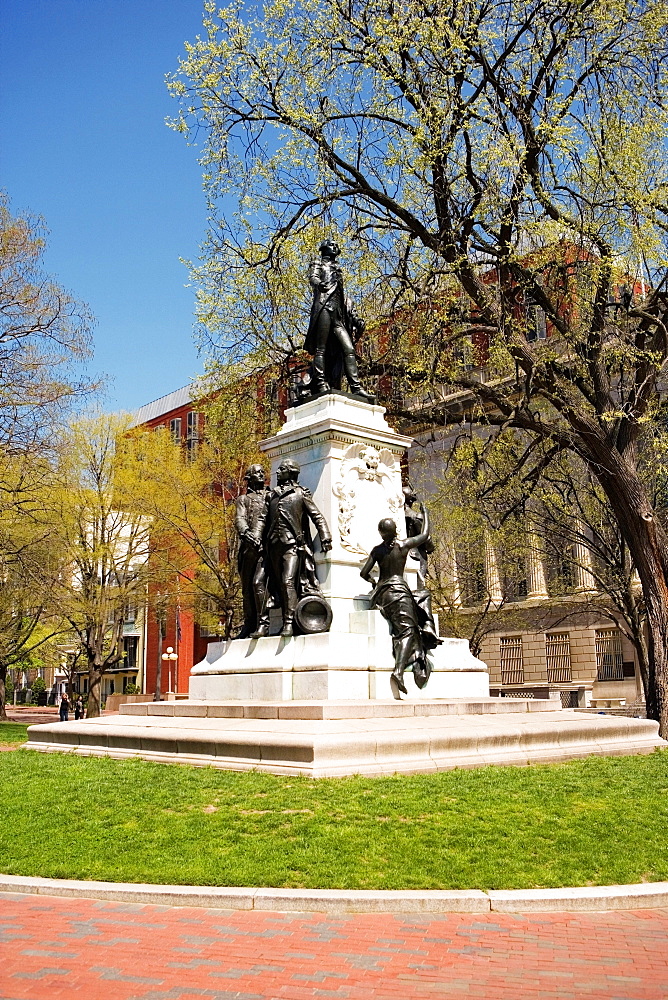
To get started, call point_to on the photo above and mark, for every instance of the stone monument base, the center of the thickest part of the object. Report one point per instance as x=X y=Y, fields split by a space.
x=355 y=664
x=332 y=739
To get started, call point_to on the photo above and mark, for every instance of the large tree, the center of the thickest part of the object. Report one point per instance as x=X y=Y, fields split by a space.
x=44 y=338
x=29 y=561
x=504 y=164
x=105 y=540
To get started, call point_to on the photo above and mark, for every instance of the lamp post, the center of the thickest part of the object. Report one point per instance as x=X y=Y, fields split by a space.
x=170 y=657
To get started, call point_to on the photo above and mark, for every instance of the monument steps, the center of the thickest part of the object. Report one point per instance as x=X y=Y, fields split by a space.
x=334 y=739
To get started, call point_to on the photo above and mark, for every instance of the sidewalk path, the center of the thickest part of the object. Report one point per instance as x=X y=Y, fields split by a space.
x=33 y=715
x=81 y=949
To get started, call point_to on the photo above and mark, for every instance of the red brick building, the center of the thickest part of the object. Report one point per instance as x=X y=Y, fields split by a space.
x=178 y=412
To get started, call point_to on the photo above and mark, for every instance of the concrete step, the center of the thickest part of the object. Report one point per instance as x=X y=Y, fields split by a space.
x=353 y=709
x=331 y=747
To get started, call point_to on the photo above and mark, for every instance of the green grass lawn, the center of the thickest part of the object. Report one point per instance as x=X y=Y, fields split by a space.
x=12 y=733
x=590 y=822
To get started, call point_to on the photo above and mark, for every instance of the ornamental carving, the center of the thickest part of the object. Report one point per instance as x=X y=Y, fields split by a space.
x=368 y=489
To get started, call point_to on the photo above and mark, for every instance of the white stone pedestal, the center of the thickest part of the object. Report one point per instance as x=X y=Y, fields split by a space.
x=350 y=459
x=333 y=665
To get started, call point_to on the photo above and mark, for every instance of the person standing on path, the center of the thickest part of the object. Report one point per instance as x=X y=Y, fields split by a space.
x=64 y=709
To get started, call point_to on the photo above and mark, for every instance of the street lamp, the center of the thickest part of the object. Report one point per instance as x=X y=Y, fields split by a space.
x=171 y=657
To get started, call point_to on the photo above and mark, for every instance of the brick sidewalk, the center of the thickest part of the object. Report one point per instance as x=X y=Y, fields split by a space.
x=54 y=948
x=32 y=715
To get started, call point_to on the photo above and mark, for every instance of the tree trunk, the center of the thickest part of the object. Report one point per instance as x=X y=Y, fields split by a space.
x=93 y=709
x=648 y=545
x=3 y=689
x=642 y=653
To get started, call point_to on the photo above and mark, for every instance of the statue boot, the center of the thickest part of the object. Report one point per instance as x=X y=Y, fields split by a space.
x=262 y=627
x=353 y=378
x=320 y=383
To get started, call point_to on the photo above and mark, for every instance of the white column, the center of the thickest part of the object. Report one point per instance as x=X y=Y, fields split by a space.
x=535 y=569
x=492 y=578
x=452 y=574
x=583 y=578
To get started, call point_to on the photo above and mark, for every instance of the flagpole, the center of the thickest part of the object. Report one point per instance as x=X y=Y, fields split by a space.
x=177 y=636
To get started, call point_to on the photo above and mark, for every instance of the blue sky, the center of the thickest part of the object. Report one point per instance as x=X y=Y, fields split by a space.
x=84 y=144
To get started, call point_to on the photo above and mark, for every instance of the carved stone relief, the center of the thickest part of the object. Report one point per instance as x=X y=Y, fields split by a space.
x=368 y=489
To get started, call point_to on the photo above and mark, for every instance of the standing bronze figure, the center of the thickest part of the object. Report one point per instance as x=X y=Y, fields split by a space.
x=414 y=527
x=249 y=521
x=411 y=640
x=292 y=565
x=333 y=327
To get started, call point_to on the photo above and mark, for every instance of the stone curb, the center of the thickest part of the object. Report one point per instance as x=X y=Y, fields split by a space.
x=609 y=897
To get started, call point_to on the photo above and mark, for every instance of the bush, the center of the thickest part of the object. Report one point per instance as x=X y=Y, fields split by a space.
x=132 y=689
x=38 y=686
x=9 y=691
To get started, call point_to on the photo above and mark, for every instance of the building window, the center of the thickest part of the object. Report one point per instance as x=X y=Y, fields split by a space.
x=175 y=429
x=192 y=431
x=609 y=662
x=512 y=661
x=558 y=657
x=130 y=644
x=536 y=323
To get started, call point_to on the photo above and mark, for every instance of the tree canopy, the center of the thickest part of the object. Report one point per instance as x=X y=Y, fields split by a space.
x=44 y=335
x=440 y=138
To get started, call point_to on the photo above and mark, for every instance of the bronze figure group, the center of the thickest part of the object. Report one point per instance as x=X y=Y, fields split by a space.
x=276 y=561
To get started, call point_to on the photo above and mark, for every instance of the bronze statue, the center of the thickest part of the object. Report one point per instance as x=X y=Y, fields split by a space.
x=412 y=636
x=249 y=522
x=333 y=327
x=415 y=526
x=289 y=508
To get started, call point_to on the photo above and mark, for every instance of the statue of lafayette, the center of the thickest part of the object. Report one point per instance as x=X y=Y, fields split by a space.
x=412 y=636
x=333 y=326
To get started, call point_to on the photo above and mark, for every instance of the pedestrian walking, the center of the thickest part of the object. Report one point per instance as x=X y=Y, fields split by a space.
x=64 y=709
x=79 y=708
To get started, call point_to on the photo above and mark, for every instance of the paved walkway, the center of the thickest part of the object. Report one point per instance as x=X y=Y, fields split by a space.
x=32 y=715
x=55 y=948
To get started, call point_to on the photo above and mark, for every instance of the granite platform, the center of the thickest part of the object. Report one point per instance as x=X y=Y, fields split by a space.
x=337 y=738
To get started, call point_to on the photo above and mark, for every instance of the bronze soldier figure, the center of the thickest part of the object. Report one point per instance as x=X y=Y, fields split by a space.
x=333 y=326
x=415 y=526
x=289 y=509
x=411 y=641
x=249 y=522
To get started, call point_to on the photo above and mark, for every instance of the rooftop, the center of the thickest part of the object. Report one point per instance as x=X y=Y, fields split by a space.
x=172 y=401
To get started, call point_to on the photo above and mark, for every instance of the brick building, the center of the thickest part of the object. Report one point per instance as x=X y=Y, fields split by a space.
x=179 y=413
